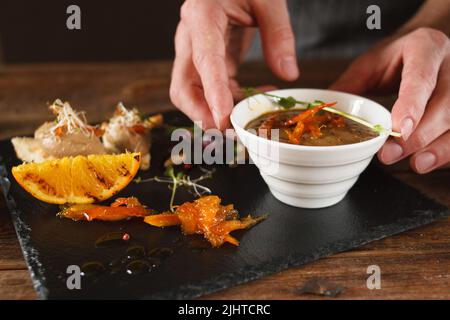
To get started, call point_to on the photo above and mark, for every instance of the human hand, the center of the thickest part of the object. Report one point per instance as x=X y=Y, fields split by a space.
x=211 y=39
x=419 y=63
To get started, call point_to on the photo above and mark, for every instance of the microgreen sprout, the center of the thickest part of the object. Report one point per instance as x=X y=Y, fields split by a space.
x=176 y=180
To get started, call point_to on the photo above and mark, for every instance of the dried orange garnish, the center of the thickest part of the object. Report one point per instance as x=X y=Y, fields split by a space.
x=205 y=216
x=78 y=180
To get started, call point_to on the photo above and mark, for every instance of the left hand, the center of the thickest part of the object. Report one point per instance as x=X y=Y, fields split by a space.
x=419 y=63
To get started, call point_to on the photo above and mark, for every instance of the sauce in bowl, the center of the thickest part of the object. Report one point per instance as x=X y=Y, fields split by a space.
x=322 y=129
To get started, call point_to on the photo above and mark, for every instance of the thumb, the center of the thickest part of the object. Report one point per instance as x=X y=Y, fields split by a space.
x=277 y=38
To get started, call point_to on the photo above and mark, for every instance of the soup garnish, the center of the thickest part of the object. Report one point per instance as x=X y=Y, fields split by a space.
x=290 y=102
x=313 y=127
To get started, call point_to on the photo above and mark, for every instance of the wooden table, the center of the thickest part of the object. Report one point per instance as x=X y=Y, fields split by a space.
x=415 y=264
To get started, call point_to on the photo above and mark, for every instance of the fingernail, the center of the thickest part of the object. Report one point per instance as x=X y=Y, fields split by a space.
x=425 y=161
x=216 y=117
x=289 y=67
x=406 y=128
x=391 y=152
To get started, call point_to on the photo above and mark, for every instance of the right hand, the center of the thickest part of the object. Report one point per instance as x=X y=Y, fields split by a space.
x=211 y=40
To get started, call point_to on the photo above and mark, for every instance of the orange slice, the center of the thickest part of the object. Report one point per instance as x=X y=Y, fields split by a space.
x=81 y=179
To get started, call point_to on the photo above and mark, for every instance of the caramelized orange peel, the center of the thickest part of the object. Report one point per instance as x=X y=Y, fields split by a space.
x=307 y=121
x=205 y=216
x=120 y=209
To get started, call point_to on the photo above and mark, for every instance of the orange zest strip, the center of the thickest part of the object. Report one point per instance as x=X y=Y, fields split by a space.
x=97 y=131
x=307 y=121
x=129 y=202
x=314 y=129
x=311 y=112
x=338 y=121
x=297 y=133
x=103 y=213
x=232 y=240
x=122 y=208
x=318 y=119
x=59 y=131
x=139 y=129
x=163 y=220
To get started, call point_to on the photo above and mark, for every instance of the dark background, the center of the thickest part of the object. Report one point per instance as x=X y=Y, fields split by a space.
x=111 y=30
x=35 y=31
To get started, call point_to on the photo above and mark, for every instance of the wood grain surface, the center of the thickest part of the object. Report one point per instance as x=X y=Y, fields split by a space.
x=414 y=264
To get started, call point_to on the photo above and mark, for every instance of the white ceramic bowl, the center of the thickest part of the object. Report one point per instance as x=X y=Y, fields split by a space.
x=310 y=176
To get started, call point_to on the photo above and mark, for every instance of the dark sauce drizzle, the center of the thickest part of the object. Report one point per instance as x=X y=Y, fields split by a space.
x=137 y=259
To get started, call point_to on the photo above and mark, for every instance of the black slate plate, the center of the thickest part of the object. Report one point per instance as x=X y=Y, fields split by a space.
x=376 y=207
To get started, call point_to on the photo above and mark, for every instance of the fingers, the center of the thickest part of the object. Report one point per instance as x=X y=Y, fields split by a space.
x=195 y=106
x=185 y=88
x=358 y=76
x=205 y=64
x=277 y=37
x=423 y=54
x=437 y=154
x=433 y=125
x=207 y=24
x=391 y=152
x=425 y=79
x=239 y=41
x=375 y=71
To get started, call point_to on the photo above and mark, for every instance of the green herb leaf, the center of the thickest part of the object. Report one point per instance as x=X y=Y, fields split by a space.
x=287 y=103
x=249 y=91
x=314 y=104
x=169 y=172
x=284 y=102
x=378 y=128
